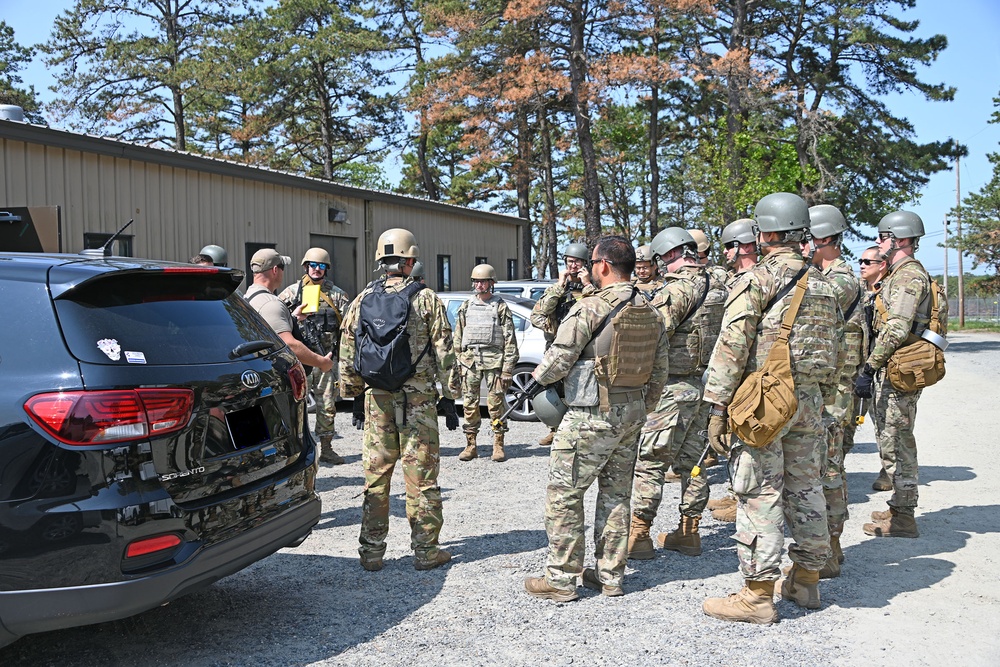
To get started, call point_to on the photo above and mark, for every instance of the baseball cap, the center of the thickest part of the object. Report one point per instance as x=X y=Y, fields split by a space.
x=268 y=258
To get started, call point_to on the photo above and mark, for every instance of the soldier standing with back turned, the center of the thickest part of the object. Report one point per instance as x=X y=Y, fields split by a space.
x=902 y=307
x=400 y=424
x=486 y=350
x=612 y=351
x=779 y=483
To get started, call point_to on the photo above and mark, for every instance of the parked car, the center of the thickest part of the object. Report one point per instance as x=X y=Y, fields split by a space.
x=153 y=438
x=529 y=289
x=530 y=346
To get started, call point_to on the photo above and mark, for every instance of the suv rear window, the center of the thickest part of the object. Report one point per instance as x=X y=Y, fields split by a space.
x=157 y=319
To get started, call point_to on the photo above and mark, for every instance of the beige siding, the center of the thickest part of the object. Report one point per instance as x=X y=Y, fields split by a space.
x=178 y=210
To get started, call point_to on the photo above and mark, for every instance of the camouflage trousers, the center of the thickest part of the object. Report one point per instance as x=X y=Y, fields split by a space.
x=836 y=416
x=589 y=446
x=781 y=484
x=472 y=379
x=326 y=393
x=401 y=425
x=895 y=413
x=672 y=436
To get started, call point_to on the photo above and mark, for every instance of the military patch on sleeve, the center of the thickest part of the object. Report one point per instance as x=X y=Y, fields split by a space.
x=740 y=285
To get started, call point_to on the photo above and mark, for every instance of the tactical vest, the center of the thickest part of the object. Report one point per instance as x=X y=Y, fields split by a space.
x=619 y=357
x=694 y=339
x=482 y=324
x=651 y=286
x=853 y=311
x=922 y=318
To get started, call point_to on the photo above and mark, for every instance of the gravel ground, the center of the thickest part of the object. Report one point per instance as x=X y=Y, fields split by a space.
x=897 y=600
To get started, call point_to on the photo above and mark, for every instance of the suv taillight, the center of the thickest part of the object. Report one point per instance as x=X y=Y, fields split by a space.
x=104 y=417
x=297 y=376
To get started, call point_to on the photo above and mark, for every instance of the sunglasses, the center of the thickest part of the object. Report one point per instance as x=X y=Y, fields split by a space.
x=592 y=262
x=868 y=262
x=732 y=245
x=319 y=265
x=884 y=236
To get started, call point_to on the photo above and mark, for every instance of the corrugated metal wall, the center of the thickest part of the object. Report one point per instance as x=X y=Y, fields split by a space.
x=179 y=210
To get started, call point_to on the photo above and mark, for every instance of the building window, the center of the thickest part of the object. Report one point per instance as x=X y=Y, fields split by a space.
x=480 y=260
x=444 y=273
x=122 y=247
x=511 y=269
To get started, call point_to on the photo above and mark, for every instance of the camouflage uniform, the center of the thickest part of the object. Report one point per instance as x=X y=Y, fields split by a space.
x=671 y=434
x=650 y=286
x=402 y=425
x=780 y=483
x=838 y=412
x=554 y=304
x=906 y=295
x=593 y=445
x=484 y=361
x=332 y=304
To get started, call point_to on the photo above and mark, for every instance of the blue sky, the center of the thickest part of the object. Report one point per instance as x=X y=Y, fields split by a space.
x=971 y=63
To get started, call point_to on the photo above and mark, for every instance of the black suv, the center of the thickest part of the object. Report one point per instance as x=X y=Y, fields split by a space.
x=152 y=438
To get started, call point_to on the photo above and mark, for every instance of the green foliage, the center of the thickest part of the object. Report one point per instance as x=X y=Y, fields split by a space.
x=13 y=58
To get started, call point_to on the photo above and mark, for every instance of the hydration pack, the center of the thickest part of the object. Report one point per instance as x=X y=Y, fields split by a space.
x=382 y=357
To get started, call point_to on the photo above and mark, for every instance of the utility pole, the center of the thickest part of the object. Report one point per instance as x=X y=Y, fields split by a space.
x=958 y=239
x=946 y=254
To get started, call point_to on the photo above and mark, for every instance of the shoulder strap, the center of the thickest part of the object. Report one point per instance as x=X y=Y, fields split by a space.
x=704 y=295
x=853 y=306
x=793 y=309
x=256 y=294
x=614 y=311
x=787 y=288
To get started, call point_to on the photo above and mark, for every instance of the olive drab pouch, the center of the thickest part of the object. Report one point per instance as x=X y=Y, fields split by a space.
x=580 y=385
x=919 y=363
x=629 y=363
x=766 y=401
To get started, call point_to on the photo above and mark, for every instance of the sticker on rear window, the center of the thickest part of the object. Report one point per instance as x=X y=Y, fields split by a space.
x=135 y=357
x=110 y=347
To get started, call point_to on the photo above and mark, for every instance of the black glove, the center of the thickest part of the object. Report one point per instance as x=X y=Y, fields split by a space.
x=447 y=406
x=533 y=389
x=358 y=419
x=863 y=385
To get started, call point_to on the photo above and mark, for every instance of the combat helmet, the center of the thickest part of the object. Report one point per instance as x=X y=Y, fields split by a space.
x=417 y=272
x=396 y=243
x=643 y=254
x=549 y=407
x=317 y=255
x=902 y=225
x=700 y=238
x=670 y=238
x=483 y=272
x=826 y=221
x=218 y=254
x=577 y=251
x=738 y=230
x=781 y=212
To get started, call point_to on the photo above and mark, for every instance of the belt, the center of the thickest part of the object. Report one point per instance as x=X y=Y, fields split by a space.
x=626 y=396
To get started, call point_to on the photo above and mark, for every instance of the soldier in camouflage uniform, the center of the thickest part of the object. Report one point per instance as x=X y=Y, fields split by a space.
x=781 y=482
x=486 y=349
x=333 y=302
x=873 y=270
x=555 y=303
x=906 y=298
x=827 y=225
x=612 y=351
x=647 y=276
x=701 y=238
x=402 y=424
x=691 y=303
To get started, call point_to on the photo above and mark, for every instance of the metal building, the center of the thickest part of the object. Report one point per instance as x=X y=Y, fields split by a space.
x=63 y=192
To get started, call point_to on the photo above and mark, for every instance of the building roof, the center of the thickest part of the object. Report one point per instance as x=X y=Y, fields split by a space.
x=86 y=143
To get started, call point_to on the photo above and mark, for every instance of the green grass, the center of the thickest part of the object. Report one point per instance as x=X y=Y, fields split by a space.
x=974 y=325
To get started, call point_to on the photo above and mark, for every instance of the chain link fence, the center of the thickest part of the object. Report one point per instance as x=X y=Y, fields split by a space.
x=977 y=308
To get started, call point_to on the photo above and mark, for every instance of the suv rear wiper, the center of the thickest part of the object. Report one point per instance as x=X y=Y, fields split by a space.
x=251 y=347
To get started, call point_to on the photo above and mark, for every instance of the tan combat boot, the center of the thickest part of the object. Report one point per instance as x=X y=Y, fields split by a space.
x=893 y=525
x=640 y=544
x=671 y=477
x=832 y=568
x=470 y=451
x=685 y=539
x=801 y=586
x=439 y=557
x=726 y=514
x=754 y=603
x=540 y=588
x=327 y=455
x=721 y=503
x=546 y=440
x=498 y=453
x=592 y=580
x=882 y=482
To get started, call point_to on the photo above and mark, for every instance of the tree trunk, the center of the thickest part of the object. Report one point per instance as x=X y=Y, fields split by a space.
x=551 y=235
x=735 y=85
x=522 y=179
x=578 y=70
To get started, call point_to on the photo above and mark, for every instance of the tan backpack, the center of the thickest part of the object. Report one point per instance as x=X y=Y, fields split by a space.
x=918 y=363
x=765 y=402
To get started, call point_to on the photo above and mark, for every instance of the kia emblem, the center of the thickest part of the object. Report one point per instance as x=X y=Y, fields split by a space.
x=251 y=379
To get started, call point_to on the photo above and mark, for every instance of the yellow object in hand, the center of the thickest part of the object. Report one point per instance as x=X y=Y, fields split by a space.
x=310 y=298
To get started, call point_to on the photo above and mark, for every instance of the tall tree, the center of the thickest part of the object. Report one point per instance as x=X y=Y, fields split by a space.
x=14 y=58
x=124 y=66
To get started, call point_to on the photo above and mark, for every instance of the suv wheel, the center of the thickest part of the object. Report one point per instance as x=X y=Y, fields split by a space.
x=524 y=412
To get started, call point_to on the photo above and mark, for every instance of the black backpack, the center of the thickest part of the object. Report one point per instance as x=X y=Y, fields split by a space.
x=382 y=356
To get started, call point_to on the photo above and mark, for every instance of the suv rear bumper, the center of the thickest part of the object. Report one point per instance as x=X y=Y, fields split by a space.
x=42 y=610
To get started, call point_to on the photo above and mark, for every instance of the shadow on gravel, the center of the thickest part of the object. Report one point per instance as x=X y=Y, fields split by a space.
x=859 y=484
x=288 y=609
x=973 y=346
x=878 y=569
